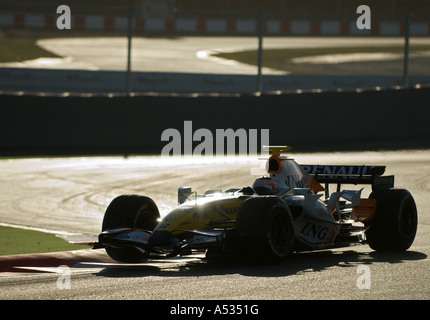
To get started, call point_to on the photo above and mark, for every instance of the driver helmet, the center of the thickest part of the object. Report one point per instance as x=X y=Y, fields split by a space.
x=265 y=186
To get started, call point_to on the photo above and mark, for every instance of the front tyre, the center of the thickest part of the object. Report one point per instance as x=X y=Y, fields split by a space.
x=394 y=225
x=265 y=228
x=130 y=211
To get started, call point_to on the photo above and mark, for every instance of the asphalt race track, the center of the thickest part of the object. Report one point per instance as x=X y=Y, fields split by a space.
x=71 y=194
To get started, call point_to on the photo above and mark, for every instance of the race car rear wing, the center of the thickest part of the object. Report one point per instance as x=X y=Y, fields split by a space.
x=341 y=174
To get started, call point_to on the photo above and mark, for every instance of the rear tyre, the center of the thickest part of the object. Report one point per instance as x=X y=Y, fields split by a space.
x=265 y=228
x=130 y=211
x=394 y=225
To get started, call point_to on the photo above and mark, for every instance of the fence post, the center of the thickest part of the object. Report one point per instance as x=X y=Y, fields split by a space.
x=260 y=52
x=406 y=54
x=129 y=36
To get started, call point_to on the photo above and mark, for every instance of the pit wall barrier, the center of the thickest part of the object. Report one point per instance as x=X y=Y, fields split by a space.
x=215 y=26
x=57 y=125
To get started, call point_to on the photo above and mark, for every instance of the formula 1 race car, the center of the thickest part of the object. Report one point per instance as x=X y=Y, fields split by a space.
x=282 y=213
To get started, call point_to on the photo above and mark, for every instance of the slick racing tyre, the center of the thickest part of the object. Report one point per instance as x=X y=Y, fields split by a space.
x=394 y=225
x=265 y=228
x=130 y=211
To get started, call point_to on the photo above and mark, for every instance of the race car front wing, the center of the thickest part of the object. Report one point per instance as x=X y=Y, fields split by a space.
x=159 y=244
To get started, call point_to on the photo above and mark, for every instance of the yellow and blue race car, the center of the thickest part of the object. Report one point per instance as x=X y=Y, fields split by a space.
x=289 y=210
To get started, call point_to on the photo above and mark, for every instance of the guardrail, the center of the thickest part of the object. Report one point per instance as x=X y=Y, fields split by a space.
x=85 y=81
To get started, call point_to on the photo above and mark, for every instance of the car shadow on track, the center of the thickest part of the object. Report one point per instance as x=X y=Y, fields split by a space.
x=297 y=263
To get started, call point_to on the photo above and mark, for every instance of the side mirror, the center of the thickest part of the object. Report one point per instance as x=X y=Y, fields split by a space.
x=183 y=194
